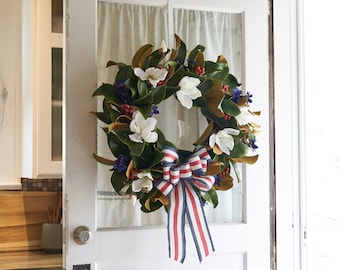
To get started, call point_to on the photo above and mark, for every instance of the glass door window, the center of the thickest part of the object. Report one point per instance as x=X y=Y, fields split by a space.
x=221 y=34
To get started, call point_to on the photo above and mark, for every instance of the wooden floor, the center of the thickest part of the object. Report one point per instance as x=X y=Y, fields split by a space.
x=29 y=260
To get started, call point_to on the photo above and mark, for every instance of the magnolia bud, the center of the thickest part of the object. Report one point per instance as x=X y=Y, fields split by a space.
x=163 y=47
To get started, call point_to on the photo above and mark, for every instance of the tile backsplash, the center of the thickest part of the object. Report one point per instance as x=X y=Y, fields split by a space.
x=53 y=184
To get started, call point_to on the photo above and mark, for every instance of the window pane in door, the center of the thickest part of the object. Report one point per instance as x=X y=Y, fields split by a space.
x=122 y=29
x=221 y=34
x=57 y=16
x=57 y=104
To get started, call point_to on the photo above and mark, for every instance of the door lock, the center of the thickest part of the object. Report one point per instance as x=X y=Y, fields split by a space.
x=82 y=235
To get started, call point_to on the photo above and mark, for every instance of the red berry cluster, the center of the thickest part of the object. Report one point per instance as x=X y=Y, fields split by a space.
x=225 y=88
x=161 y=82
x=128 y=109
x=225 y=172
x=227 y=117
x=199 y=70
x=133 y=173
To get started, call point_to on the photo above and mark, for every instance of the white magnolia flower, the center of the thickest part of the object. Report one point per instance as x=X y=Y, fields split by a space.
x=224 y=140
x=245 y=117
x=152 y=74
x=143 y=128
x=143 y=183
x=188 y=91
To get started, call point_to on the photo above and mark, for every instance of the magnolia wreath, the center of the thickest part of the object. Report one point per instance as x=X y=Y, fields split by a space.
x=149 y=168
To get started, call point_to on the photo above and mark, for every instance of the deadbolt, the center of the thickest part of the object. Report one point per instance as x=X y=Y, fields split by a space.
x=82 y=235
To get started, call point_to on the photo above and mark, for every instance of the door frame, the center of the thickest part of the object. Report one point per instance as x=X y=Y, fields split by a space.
x=288 y=120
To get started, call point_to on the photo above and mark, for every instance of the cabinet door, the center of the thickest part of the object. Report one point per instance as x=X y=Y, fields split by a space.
x=42 y=88
x=49 y=87
x=240 y=245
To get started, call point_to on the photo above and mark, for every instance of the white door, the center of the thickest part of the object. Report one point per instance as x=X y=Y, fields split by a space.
x=240 y=245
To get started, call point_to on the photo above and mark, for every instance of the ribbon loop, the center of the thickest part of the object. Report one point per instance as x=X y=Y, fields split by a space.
x=179 y=183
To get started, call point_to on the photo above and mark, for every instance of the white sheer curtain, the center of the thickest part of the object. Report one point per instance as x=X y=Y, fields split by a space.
x=122 y=29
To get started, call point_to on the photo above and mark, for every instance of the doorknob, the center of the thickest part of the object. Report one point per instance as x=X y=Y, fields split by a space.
x=81 y=235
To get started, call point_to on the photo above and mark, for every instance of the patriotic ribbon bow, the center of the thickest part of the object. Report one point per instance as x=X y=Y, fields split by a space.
x=179 y=183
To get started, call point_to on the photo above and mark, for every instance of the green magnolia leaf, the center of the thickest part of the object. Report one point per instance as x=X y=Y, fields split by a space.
x=236 y=169
x=145 y=110
x=222 y=75
x=124 y=73
x=206 y=86
x=108 y=91
x=123 y=135
x=116 y=145
x=222 y=159
x=181 y=50
x=214 y=197
x=178 y=75
x=155 y=58
x=157 y=157
x=193 y=54
x=139 y=163
x=160 y=134
x=118 y=181
x=143 y=88
x=132 y=83
x=211 y=67
x=211 y=196
x=148 y=204
x=102 y=117
x=113 y=115
x=240 y=149
x=231 y=81
x=170 y=91
x=230 y=107
x=158 y=94
x=143 y=101
x=221 y=122
x=136 y=149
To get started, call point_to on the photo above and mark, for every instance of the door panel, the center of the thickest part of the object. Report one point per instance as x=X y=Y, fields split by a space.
x=238 y=246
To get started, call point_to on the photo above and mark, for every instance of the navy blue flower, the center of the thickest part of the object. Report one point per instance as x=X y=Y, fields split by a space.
x=218 y=180
x=121 y=163
x=249 y=97
x=253 y=145
x=123 y=93
x=237 y=95
x=154 y=110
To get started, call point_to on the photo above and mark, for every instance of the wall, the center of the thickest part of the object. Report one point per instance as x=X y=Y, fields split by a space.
x=10 y=64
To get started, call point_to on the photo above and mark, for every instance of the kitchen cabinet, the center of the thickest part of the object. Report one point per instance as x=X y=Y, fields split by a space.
x=42 y=42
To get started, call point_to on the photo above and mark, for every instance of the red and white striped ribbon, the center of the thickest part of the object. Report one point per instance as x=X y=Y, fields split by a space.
x=179 y=183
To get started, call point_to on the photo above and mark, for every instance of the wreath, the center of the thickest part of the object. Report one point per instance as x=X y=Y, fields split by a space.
x=146 y=166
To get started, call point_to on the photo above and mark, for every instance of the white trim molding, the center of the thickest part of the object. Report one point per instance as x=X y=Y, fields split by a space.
x=288 y=85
